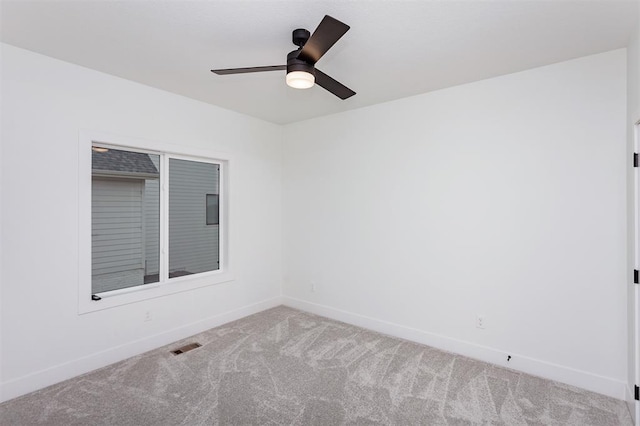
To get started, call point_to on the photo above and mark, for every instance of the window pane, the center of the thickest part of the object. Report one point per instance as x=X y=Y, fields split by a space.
x=193 y=245
x=125 y=219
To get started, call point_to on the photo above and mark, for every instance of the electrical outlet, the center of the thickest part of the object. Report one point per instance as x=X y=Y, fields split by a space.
x=147 y=316
x=480 y=321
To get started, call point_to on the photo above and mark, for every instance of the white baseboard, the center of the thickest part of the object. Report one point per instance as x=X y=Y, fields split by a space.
x=582 y=379
x=43 y=378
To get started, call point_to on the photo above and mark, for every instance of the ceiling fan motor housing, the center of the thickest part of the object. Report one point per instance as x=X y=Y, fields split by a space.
x=295 y=64
x=300 y=36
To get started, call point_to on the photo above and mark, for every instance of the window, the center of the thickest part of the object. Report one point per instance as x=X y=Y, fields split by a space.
x=193 y=246
x=125 y=219
x=157 y=223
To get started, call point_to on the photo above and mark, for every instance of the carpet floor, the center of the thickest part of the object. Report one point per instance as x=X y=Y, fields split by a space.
x=287 y=367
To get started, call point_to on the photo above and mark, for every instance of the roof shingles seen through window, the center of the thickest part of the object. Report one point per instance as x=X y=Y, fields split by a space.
x=115 y=160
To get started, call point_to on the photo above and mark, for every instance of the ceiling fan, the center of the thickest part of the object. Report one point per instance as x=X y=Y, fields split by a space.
x=301 y=70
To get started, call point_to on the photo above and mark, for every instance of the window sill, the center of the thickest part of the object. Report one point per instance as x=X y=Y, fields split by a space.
x=126 y=296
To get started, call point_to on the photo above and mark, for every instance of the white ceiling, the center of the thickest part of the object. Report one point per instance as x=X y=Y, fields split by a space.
x=394 y=48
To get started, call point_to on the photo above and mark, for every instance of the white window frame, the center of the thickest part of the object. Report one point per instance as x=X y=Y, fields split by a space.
x=165 y=286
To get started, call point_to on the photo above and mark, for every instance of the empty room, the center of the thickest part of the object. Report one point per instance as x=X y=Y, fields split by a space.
x=319 y=212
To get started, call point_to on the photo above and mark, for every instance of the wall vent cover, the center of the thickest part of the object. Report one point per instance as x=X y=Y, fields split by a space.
x=186 y=348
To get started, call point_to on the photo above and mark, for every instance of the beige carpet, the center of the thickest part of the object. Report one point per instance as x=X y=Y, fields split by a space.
x=287 y=367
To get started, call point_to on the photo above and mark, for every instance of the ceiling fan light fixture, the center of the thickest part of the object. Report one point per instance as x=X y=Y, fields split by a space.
x=300 y=79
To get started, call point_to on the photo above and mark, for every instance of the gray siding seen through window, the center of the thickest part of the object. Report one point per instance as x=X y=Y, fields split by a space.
x=193 y=246
x=116 y=234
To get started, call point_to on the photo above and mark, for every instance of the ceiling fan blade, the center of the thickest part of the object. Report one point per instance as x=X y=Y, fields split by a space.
x=333 y=86
x=328 y=32
x=250 y=69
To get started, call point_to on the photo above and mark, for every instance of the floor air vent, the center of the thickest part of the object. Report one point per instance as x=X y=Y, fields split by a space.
x=186 y=348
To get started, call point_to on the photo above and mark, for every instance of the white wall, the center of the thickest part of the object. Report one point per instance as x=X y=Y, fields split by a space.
x=633 y=116
x=504 y=197
x=45 y=103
